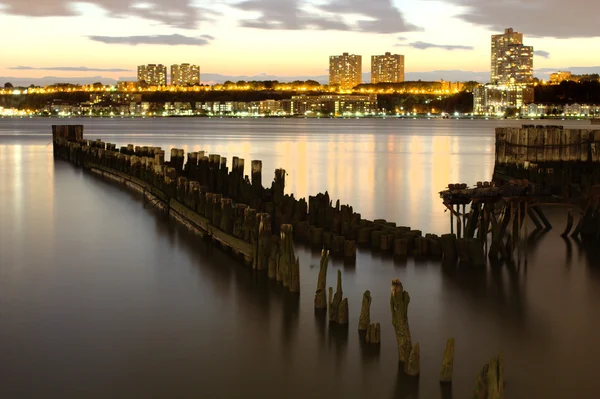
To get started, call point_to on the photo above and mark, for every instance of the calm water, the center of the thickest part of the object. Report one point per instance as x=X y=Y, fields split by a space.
x=101 y=297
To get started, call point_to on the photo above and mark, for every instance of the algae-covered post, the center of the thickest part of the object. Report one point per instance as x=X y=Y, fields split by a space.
x=336 y=302
x=373 y=335
x=399 y=301
x=447 y=362
x=321 y=294
x=365 y=312
x=413 y=366
x=490 y=380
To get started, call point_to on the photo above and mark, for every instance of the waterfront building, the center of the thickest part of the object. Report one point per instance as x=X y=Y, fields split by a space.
x=124 y=85
x=345 y=70
x=334 y=105
x=497 y=99
x=152 y=74
x=387 y=68
x=185 y=75
x=511 y=61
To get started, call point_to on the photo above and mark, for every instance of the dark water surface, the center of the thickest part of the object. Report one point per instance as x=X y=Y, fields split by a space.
x=101 y=297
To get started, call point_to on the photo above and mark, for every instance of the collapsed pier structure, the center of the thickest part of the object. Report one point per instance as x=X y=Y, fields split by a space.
x=536 y=167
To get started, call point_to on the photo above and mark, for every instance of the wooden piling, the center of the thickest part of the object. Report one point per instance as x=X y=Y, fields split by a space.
x=413 y=366
x=321 y=295
x=373 y=334
x=336 y=301
x=365 y=312
x=399 y=301
x=447 y=362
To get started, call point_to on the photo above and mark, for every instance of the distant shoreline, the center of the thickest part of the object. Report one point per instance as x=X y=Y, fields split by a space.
x=425 y=117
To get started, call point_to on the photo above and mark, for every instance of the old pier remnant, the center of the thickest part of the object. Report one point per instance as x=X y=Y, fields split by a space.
x=490 y=380
x=399 y=301
x=373 y=335
x=321 y=294
x=413 y=366
x=338 y=306
x=447 y=362
x=365 y=312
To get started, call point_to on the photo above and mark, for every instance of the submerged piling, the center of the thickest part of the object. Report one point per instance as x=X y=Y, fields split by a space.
x=321 y=294
x=399 y=301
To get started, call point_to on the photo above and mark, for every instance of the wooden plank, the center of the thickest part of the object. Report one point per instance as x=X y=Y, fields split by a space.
x=571 y=147
x=510 y=145
x=217 y=234
x=185 y=213
x=532 y=138
x=540 y=142
x=521 y=150
x=586 y=135
x=500 y=145
x=552 y=141
x=596 y=146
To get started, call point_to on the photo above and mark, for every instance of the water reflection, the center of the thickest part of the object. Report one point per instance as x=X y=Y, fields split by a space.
x=97 y=286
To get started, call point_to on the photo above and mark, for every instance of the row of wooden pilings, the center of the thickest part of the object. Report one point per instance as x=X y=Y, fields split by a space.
x=238 y=204
x=202 y=183
x=490 y=381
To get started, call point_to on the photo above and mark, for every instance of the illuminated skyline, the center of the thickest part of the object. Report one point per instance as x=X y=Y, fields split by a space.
x=282 y=37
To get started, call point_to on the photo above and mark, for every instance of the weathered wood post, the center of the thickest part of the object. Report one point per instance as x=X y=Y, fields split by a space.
x=447 y=363
x=263 y=241
x=365 y=312
x=342 y=318
x=336 y=302
x=399 y=301
x=413 y=366
x=287 y=257
x=490 y=380
x=321 y=294
x=373 y=335
x=257 y=188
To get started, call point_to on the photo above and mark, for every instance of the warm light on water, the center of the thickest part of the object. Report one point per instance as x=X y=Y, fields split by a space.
x=102 y=297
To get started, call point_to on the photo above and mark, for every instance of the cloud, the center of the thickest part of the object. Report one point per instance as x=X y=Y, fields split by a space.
x=68 y=69
x=536 y=18
x=168 y=40
x=375 y=16
x=542 y=53
x=177 y=13
x=424 y=46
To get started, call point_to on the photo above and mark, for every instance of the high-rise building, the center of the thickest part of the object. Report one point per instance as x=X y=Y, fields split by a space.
x=185 y=75
x=152 y=74
x=387 y=68
x=345 y=70
x=511 y=62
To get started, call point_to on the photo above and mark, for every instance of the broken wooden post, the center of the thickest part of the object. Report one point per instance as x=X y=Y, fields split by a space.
x=321 y=296
x=413 y=366
x=287 y=257
x=263 y=244
x=373 y=335
x=343 y=312
x=495 y=378
x=365 y=312
x=273 y=261
x=295 y=277
x=399 y=301
x=490 y=381
x=256 y=171
x=447 y=362
x=336 y=301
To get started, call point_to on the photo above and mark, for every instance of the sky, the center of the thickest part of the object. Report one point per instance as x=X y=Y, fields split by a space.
x=109 y=38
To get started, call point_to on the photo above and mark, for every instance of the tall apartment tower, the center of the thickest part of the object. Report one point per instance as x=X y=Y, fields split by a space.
x=153 y=74
x=345 y=70
x=387 y=68
x=185 y=75
x=512 y=62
